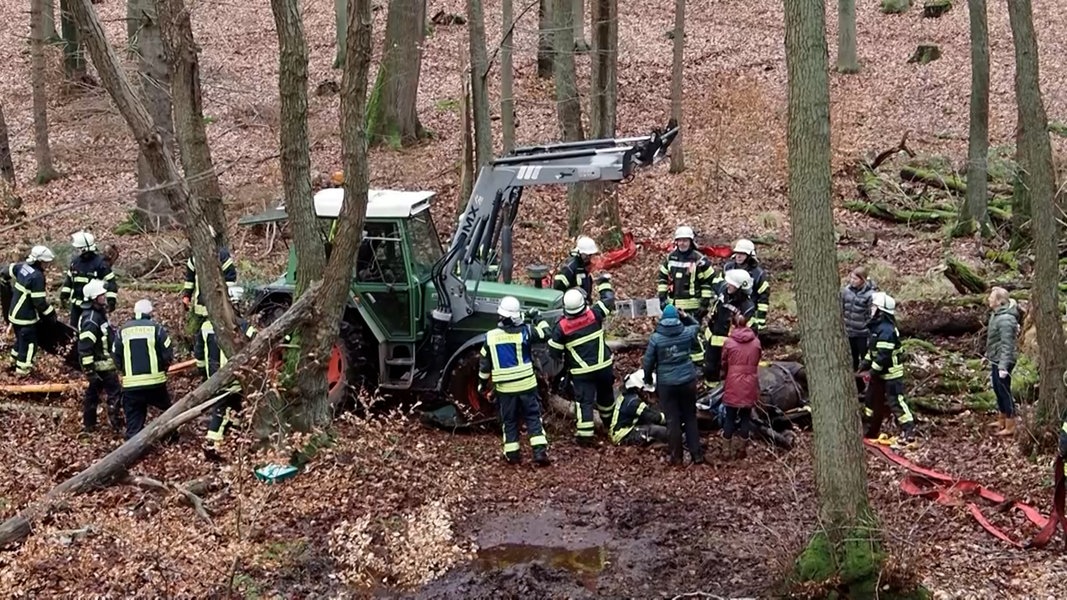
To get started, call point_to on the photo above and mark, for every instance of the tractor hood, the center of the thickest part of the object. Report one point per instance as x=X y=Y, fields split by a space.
x=529 y=297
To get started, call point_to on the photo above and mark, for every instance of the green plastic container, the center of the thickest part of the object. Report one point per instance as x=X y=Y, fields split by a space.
x=275 y=473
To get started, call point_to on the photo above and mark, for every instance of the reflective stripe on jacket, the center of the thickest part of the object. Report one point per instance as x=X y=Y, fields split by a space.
x=685 y=280
x=507 y=358
x=142 y=351
x=573 y=274
x=761 y=290
x=209 y=355
x=630 y=412
x=191 y=287
x=580 y=341
x=29 y=303
x=719 y=325
x=84 y=268
x=95 y=338
x=884 y=351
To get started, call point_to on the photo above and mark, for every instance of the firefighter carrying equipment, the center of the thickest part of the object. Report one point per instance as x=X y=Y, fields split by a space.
x=191 y=293
x=685 y=280
x=85 y=267
x=143 y=353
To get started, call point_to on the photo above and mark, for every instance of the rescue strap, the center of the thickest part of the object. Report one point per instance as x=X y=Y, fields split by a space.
x=949 y=491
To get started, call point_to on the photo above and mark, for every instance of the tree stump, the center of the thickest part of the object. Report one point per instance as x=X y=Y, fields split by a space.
x=925 y=53
x=933 y=9
x=895 y=7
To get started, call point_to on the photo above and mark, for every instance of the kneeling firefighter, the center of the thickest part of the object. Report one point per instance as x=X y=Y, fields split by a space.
x=884 y=368
x=634 y=423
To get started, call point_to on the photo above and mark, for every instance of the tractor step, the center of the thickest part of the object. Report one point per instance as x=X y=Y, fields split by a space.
x=400 y=362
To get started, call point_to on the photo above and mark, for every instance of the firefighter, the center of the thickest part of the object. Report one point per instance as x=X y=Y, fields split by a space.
x=578 y=339
x=733 y=298
x=86 y=266
x=29 y=305
x=686 y=276
x=192 y=298
x=210 y=358
x=95 y=339
x=634 y=423
x=575 y=272
x=744 y=257
x=884 y=368
x=143 y=353
x=506 y=357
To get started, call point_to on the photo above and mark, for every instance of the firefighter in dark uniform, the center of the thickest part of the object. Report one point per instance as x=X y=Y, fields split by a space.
x=575 y=272
x=733 y=297
x=29 y=305
x=578 y=339
x=210 y=358
x=885 y=369
x=143 y=353
x=192 y=298
x=744 y=257
x=506 y=357
x=84 y=267
x=95 y=339
x=686 y=276
x=634 y=423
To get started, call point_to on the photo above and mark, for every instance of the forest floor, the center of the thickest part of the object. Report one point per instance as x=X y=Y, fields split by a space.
x=392 y=505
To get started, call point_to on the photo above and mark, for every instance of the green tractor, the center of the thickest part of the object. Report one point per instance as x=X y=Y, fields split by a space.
x=418 y=313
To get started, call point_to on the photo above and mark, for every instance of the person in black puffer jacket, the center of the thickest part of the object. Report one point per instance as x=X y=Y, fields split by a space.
x=856 y=308
x=673 y=352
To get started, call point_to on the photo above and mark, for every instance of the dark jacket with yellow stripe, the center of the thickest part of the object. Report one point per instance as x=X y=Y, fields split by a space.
x=191 y=288
x=209 y=355
x=579 y=339
x=95 y=338
x=719 y=324
x=143 y=353
x=86 y=267
x=29 y=303
x=685 y=280
x=761 y=289
x=630 y=412
x=884 y=352
x=574 y=274
x=507 y=358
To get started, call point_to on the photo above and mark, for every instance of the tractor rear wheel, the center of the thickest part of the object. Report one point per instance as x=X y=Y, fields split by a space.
x=344 y=374
x=463 y=389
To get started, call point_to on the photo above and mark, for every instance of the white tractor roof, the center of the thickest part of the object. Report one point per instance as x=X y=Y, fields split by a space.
x=381 y=204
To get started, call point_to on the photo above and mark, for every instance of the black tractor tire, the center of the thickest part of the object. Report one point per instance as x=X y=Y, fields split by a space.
x=462 y=389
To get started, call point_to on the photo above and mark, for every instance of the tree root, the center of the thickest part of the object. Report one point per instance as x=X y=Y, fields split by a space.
x=186 y=490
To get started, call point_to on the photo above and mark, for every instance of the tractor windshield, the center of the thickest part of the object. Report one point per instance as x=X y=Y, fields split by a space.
x=425 y=245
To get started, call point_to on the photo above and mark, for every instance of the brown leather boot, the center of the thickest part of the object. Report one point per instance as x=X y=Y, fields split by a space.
x=1009 y=427
x=998 y=425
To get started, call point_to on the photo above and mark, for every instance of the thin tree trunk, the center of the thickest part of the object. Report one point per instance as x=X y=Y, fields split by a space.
x=467 y=173
x=153 y=209
x=569 y=110
x=604 y=73
x=975 y=212
x=677 y=85
x=42 y=151
x=340 y=14
x=545 y=39
x=73 y=57
x=1038 y=186
x=190 y=127
x=7 y=167
x=483 y=134
x=391 y=114
x=847 y=61
x=840 y=468
x=507 y=76
x=578 y=14
x=151 y=142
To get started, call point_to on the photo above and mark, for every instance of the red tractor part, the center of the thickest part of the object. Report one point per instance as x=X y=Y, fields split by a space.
x=336 y=368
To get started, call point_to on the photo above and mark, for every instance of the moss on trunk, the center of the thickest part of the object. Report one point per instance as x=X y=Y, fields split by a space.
x=852 y=568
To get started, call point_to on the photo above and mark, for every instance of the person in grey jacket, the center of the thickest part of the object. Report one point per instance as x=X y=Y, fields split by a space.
x=856 y=308
x=673 y=353
x=1002 y=333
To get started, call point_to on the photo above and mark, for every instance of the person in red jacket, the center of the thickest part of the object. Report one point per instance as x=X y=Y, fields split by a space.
x=740 y=371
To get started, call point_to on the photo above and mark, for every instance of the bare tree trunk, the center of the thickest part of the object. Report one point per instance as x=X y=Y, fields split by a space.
x=73 y=57
x=7 y=167
x=391 y=114
x=578 y=14
x=569 y=109
x=467 y=174
x=42 y=151
x=604 y=75
x=847 y=61
x=1034 y=156
x=507 y=76
x=189 y=126
x=340 y=13
x=840 y=468
x=483 y=134
x=545 y=39
x=154 y=211
x=975 y=212
x=677 y=86
x=151 y=142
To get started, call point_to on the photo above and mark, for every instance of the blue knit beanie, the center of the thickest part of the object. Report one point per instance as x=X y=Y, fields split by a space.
x=670 y=312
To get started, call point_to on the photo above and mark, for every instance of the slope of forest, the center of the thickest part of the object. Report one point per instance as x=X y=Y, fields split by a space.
x=354 y=517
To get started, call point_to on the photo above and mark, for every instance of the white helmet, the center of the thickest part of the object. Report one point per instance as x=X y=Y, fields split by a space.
x=744 y=246
x=586 y=246
x=40 y=254
x=235 y=292
x=573 y=301
x=143 y=307
x=94 y=289
x=636 y=380
x=740 y=279
x=509 y=308
x=83 y=241
x=884 y=302
x=684 y=232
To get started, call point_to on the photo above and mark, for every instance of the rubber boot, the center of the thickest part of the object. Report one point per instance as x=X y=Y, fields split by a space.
x=513 y=458
x=999 y=425
x=1009 y=427
x=541 y=457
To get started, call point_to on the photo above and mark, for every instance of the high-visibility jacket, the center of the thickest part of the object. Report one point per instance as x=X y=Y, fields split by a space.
x=142 y=352
x=84 y=268
x=191 y=288
x=761 y=289
x=685 y=280
x=580 y=341
x=574 y=274
x=719 y=324
x=209 y=355
x=95 y=339
x=28 y=301
x=884 y=351
x=507 y=358
x=630 y=412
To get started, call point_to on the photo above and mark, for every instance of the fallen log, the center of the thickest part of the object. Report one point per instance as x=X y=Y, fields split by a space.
x=963 y=278
x=949 y=183
x=918 y=215
x=59 y=388
x=113 y=466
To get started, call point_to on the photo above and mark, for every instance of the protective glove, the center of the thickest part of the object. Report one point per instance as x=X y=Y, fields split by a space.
x=1002 y=374
x=532 y=315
